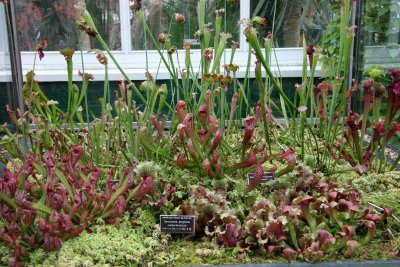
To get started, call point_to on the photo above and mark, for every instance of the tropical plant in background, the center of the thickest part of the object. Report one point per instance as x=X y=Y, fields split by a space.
x=55 y=20
x=292 y=19
x=380 y=22
x=378 y=25
x=73 y=168
x=184 y=31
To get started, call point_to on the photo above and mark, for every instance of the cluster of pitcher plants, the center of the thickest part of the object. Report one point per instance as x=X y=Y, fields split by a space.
x=312 y=220
x=72 y=168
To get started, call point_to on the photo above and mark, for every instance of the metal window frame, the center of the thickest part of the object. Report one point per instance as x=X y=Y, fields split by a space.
x=5 y=67
x=10 y=50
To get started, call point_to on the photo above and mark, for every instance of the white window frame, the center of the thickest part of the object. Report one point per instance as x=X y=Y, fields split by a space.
x=53 y=67
x=5 y=67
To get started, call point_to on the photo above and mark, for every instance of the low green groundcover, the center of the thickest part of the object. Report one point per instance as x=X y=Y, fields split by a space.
x=143 y=245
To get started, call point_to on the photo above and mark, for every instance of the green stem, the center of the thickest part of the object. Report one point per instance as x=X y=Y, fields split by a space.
x=262 y=103
x=69 y=68
x=395 y=162
x=293 y=236
x=104 y=45
x=253 y=41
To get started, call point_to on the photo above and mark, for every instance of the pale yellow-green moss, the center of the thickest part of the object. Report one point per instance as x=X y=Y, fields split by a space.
x=375 y=182
x=107 y=245
x=14 y=163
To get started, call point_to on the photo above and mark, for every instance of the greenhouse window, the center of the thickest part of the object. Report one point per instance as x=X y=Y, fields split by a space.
x=289 y=20
x=5 y=73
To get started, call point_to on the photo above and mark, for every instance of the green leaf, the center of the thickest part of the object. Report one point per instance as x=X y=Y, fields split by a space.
x=331 y=49
x=6 y=139
x=83 y=176
x=114 y=197
x=40 y=169
x=41 y=207
x=65 y=183
x=8 y=200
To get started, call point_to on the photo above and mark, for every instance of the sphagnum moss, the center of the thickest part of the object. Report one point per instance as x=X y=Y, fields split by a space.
x=107 y=245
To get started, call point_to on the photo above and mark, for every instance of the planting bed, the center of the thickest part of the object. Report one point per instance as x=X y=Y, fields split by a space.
x=290 y=179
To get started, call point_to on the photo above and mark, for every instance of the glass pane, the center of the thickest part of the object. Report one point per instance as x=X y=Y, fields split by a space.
x=55 y=19
x=289 y=20
x=381 y=32
x=160 y=16
x=3 y=30
x=5 y=99
x=380 y=44
x=7 y=87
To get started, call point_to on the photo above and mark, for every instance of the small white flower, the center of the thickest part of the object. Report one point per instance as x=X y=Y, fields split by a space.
x=225 y=37
x=52 y=102
x=219 y=12
x=81 y=6
x=302 y=109
x=298 y=86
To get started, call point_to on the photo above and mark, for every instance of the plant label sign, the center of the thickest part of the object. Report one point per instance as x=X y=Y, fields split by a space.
x=268 y=176
x=192 y=41
x=177 y=224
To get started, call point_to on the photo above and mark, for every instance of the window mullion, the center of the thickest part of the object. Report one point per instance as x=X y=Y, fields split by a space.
x=244 y=14
x=125 y=26
x=3 y=30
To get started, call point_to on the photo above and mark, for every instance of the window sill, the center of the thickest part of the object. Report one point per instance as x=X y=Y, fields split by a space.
x=54 y=68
